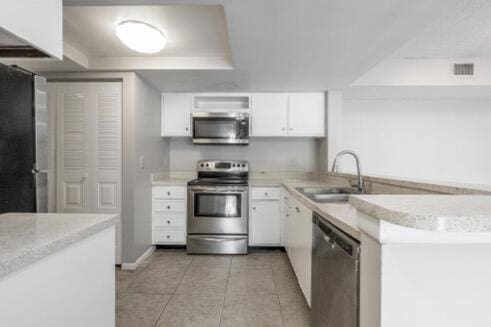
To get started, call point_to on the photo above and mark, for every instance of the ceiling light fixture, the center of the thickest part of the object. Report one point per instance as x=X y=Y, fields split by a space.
x=140 y=36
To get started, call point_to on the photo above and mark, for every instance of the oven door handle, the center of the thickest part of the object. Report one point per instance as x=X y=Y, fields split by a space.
x=219 y=189
x=213 y=239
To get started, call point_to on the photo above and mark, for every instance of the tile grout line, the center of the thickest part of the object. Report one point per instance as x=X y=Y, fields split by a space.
x=226 y=291
x=173 y=293
x=277 y=290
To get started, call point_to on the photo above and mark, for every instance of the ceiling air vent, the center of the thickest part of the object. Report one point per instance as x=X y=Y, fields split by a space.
x=463 y=69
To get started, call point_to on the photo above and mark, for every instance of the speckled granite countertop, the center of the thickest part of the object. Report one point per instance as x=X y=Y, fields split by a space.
x=29 y=237
x=340 y=214
x=444 y=213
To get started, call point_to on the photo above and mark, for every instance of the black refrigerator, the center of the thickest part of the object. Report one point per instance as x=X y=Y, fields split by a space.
x=23 y=141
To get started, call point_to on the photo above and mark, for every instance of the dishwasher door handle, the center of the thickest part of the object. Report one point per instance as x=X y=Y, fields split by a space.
x=329 y=241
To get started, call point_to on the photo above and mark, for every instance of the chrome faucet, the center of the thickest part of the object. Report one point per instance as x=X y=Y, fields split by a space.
x=360 y=185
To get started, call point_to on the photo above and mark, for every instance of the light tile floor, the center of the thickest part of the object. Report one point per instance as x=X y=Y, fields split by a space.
x=178 y=290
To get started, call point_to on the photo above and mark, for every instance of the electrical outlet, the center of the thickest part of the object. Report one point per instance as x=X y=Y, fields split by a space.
x=293 y=163
x=142 y=162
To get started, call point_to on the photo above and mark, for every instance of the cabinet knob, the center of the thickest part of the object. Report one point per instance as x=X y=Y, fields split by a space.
x=291 y=128
x=168 y=207
x=168 y=221
x=187 y=128
x=283 y=129
x=253 y=208
x=298 y=210
x=266 y=193
x=168 y=193
x=168 y=236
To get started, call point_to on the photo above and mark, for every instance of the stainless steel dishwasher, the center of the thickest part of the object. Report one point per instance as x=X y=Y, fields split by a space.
x=335 y=276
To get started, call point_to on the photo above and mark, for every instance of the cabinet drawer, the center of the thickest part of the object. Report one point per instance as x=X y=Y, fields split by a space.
x=169 y=237
x=169 y=206
x=265 y=193
x=168 y=220
x=168 y=192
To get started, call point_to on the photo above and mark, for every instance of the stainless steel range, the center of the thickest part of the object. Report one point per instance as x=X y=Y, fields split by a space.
x=218 y=208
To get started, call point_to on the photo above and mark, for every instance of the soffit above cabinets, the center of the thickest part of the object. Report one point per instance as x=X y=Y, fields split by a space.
x=197 y=39
x=275 y=45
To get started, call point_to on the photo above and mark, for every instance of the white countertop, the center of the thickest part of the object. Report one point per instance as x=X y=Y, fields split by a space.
x=443 y=213
x=340 y=214
x=28 y=237
x=430 y=212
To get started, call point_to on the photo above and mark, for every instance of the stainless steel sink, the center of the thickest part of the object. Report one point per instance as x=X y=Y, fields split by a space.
x=328 y=194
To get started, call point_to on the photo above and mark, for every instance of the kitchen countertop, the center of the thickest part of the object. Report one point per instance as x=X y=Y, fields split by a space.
x=340 y=214
x=442 y=213
x=430 y=212
x=29 y=237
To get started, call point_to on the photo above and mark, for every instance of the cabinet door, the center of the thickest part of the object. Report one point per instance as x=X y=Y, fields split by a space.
x=306 y=114
x=176 y=114
x=265 y=223
x=269 y=114
x=305 y=249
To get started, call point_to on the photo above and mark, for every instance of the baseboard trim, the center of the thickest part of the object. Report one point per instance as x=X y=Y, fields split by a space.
x=171 y=247
x=266 y=248
x=139 y=261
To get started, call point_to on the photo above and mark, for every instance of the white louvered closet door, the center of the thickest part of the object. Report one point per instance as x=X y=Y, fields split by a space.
x=107 y=147
x=73 y=147
x=89 y=147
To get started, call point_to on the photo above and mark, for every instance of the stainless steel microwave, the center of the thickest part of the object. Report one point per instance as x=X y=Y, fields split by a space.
x=220 y=128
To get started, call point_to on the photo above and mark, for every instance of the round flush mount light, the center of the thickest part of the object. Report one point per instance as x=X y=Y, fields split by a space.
x=140 y=36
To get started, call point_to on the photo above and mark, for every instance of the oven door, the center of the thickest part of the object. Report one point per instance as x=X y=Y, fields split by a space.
x=220 y=128
x=217 y=210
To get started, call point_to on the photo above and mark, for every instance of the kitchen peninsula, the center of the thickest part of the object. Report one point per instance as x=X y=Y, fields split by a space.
x=57 y=267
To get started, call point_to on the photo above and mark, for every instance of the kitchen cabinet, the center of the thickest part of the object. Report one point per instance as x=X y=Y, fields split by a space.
x=169 y=215
x=292 y=114
x=176 y=114
x=299 y=229
x=265 y=219
x=269 y=114
x=272 y=114
x=306 y=114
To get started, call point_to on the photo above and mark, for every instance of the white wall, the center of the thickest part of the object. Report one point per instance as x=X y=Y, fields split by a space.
x=263 y=154
x=433 y=139
x=153 y=150
x=425 y=72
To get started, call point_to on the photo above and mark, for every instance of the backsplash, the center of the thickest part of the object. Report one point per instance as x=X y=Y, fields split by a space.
x=264 y=154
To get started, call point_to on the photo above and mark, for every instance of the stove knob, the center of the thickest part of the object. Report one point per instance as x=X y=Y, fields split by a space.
x=233 y=165
x=243 y=165
x=207 y=165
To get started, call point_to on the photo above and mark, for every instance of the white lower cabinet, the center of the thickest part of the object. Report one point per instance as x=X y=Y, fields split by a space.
x=299 y=230
x=265 y=217
x=169 y=215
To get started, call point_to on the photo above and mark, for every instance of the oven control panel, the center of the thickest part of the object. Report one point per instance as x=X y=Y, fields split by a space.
x=223 y=165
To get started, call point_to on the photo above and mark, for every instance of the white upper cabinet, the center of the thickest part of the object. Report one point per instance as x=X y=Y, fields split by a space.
x=293 y=114
x=272 y=114
x=33 y=23
x=306 y=114
x=269 y=114
x=176 y=114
